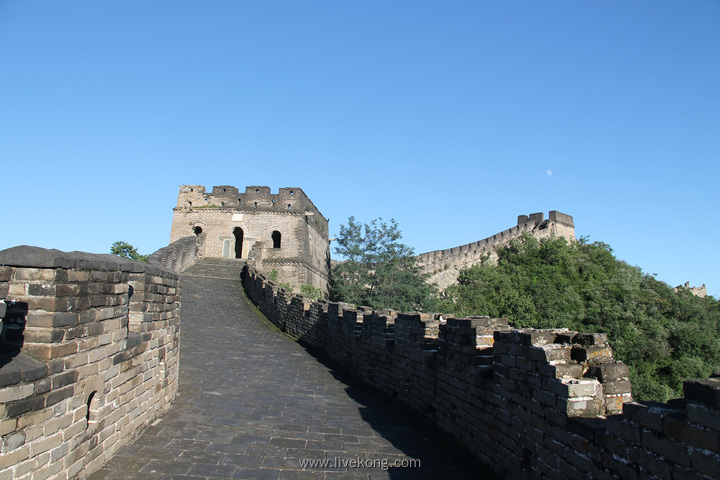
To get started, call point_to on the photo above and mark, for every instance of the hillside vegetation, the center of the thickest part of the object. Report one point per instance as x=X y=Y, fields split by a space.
x=665 y=337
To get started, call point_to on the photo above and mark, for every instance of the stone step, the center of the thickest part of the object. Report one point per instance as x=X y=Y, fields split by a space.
x=229 y=268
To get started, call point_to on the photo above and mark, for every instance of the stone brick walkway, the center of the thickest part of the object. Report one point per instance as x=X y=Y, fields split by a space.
x=254 y=404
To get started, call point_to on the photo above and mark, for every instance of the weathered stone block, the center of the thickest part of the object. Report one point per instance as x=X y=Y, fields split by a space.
x=619 y=426
x=654 y=466
x=14 y=457
x=66 y=290
x=591 y=354
x=40 y=289
x=566 y=370
x=684 y=432
x=702 y=415
x=575 y=387
x=673 y=451
x=705 y=462
x=534 y=337
x=614 y=403
x=55 y=396
x=582 y=406
x=63 y=379
x=49 y=351
x=7 y=426
x=13 y=441
x=545 y=398
x=609 y=372
x=706 y=390
x=64 y=319
x=39 y=274
x=645 y=414
x=503 y=337
x=46 y=444
x=617 y=388
x=16 y=289
x=550 y=353
x=5 y=273
x=589 y=339
x=20 y=407
x=78 y=276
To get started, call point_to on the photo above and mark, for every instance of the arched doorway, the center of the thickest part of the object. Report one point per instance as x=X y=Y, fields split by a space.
x=276 y=237
x=238 y=233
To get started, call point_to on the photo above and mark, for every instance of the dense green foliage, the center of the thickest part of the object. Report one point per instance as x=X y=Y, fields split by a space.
x=379 y=271
x=311 y=291
x=125 y=250
x=663 y=336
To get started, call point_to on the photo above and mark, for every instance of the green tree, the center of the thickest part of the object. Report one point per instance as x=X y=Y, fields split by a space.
x=125 y=250
x=379 y=271
x=664 y=336
x=311 y=291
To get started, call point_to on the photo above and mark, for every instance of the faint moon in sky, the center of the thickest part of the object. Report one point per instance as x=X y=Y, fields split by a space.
x=549 y=172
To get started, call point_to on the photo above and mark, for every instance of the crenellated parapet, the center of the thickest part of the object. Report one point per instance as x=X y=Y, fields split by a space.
x=444 y=266
x=528 y=403
x=290 y=200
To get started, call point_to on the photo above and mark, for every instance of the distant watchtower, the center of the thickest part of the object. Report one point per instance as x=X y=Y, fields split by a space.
x=282 y=231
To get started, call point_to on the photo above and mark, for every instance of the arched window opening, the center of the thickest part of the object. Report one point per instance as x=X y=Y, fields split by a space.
x=197 y=230
x=238 y=233
x=276 y=237
x=92 y=405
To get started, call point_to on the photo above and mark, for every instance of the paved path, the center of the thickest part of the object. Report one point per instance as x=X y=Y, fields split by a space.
x=253 y=403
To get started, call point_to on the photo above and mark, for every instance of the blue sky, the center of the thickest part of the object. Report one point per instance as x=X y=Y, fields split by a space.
x=451 y=117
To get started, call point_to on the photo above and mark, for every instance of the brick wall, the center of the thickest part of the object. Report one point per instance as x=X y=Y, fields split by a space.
x=88 y=358
x=528 y=403
x=179 y=255
x=444 y=266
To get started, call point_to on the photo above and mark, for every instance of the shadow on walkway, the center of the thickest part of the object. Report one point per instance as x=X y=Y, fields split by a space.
x=254 y=404
x=439 y=455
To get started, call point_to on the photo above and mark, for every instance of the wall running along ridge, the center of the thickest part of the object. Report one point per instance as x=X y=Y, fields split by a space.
x=88 y=358
x=444 y=266
x=527 y=403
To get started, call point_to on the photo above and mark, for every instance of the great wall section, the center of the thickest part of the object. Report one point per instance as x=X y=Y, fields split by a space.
x=90 y=351
x=536 y=404
x=444 y=266
x=90 y=348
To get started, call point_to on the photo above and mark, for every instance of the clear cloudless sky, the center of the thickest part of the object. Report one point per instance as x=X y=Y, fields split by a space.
x=452 y=117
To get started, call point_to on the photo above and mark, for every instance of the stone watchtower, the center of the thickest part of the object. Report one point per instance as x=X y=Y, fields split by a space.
x=282 y=231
